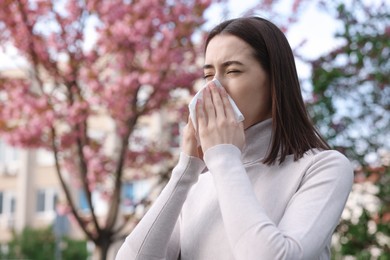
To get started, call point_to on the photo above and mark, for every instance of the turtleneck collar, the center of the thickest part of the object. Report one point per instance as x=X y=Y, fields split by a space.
x=257 y=141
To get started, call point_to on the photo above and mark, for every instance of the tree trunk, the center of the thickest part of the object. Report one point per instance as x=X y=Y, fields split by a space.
x=104 y=251
x=101 y=249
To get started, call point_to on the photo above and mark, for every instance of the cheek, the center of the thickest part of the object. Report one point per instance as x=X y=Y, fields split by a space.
x=253 y=101
x=245 y=100
x=250 y=105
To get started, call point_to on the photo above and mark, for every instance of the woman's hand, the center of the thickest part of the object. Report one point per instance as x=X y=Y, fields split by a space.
x=216 y=120
x=189 y=143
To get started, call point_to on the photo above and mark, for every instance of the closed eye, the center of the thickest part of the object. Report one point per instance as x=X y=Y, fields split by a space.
x=233 y=71
x=208 y=76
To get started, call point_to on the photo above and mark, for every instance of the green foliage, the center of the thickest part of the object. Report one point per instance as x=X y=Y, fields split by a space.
x=33 y=244
x=74 y=249
x=357 y=236
x=368 y=237
x=351 y=84
x=39 y=244
x=350 y=105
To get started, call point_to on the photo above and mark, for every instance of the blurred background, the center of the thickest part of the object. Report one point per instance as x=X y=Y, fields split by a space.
x=94 y=94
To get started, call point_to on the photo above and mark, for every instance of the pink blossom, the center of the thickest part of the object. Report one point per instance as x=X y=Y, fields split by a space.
x=140 y=44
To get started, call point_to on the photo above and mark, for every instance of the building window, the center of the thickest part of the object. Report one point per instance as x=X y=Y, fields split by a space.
x=83 y=202
x=7 y=203
x=45 y=158
x=46 y=200
x=99 y=203
x=1 y=203
x=8 y=153
x=9 y=157
x=41 y=201
x=12 y=205
x=127 y=197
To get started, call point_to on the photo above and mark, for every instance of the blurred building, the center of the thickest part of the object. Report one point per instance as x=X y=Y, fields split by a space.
x=30 y=189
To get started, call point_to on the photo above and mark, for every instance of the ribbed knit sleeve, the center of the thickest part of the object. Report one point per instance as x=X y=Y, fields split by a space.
x=150 y=238
x=308 y=221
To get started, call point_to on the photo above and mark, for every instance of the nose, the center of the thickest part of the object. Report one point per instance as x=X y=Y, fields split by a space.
x=217 y=82
x=220 y=80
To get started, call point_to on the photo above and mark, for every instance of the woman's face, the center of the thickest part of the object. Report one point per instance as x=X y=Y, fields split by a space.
x=232 y=62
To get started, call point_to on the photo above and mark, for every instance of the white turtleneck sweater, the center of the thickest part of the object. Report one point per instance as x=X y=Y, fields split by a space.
x=243 y=209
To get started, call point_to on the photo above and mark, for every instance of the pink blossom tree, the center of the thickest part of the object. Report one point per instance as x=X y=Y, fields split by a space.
x=144 y=50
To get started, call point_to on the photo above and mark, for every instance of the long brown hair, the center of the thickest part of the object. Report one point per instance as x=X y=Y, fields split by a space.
x=292 y=129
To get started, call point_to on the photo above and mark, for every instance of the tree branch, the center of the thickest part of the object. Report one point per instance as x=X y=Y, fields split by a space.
x=114 y=207
x=66 y=190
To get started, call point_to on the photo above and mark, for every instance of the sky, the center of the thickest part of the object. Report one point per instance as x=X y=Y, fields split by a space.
x=318 y=34
x=315 y=26
x=318 y=26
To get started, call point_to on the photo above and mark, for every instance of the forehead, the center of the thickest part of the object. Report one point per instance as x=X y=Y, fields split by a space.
x=224 y=48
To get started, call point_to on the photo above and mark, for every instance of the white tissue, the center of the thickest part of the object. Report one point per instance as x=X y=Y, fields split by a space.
x=192 y=106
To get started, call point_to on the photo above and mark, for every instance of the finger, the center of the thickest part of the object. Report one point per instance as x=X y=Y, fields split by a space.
x=201 y=118
x=188 y=141
x=190 y=124
x=229 y=112
x=189 y=129
x=200 y=152
x=209 y=109
x=217 y=101
x=192 y=130
x=241 y=125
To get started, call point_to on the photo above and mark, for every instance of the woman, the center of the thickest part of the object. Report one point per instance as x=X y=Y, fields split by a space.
x=271 y=188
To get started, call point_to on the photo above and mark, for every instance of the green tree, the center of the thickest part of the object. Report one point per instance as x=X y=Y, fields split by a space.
x=351 y=90
x=350 y=104
x=40 y=244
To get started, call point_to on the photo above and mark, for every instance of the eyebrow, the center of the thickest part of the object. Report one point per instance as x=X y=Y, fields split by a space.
x=225 y=64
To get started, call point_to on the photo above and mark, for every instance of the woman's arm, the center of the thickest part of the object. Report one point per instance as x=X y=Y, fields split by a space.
x=150 y=238
x=309 y=219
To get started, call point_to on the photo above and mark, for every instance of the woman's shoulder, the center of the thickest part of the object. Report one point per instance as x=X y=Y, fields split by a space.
x=328 y=163
x=320 y=155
